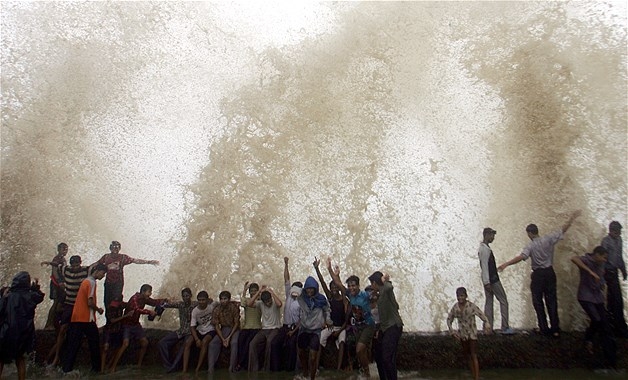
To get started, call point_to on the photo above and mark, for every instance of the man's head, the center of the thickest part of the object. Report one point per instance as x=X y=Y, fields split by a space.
x=203 y=298
x=353 y=285
x=333 y=288
x=373 y=294
x=253 y=289
x=266 y=298
x=614 y=229
x=75 y=262
x=489 y=234
x=146 y=290
x=532 y=230
x=62 y=249
x=99 y=271
x=600 y=254
x=461 y=295
x=376 y=280
x=295 y=291
x=114 y=247
x=224 y=297
x=186 y=295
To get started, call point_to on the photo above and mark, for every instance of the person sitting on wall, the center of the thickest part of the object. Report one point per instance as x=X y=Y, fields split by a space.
x=269 y=305
x=226 y=321
x=201 y=328
x=185 y=307
x=252 y=325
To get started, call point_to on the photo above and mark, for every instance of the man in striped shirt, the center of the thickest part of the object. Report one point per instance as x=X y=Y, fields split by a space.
x=73 y=276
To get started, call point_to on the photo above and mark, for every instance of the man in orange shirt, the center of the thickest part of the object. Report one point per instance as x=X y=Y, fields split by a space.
x=83 y=322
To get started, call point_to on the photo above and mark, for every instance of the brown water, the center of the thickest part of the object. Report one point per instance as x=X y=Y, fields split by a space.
x=219 y=138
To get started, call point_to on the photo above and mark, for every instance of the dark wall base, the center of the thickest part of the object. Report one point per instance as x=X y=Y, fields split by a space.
x=424 y=351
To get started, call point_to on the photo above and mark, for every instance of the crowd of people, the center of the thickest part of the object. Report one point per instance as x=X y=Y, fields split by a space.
x=364 y=324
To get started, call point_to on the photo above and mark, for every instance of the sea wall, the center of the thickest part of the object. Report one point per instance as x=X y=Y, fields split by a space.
x=427 y=351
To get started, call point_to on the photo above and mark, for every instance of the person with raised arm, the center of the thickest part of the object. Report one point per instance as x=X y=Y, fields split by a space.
x=252 y=325
x=283 y=354
x=339 y=305
x=543 y=279
x=359 y=299
x=115 y=262
x=269 y=305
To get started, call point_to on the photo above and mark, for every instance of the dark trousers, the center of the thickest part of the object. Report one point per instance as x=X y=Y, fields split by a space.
x=599 y=325
x=245 y=338
x=615 y=303
x=543 y=287
x=113 y=290
x=283 y=355
x=165 y=347
x=76 y=331
x=386 y=353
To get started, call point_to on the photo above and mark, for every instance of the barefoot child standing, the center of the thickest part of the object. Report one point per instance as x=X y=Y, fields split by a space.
x=465 y=312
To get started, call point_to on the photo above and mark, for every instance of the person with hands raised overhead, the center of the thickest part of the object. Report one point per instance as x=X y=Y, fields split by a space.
x=339 y=305
x=269 y=305
x=284 y=346
x=252 y=325
x=359 y=299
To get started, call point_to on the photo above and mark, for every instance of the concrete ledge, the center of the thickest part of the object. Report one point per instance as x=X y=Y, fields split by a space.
x=424 y=351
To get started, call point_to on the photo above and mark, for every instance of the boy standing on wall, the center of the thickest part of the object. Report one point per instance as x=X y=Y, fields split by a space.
x=115 y=262
x=465 y=312
x=57 y=293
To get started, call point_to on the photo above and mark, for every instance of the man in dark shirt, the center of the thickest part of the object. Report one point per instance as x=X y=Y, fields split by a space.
x=591 y=298
x=615 y=264
x=185 y=307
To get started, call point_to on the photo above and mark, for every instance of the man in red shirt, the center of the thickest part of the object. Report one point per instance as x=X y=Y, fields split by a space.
x=115 y=262
x=131 y=327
